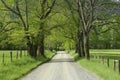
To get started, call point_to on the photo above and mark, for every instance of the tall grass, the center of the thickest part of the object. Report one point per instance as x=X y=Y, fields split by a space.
x=19 y=67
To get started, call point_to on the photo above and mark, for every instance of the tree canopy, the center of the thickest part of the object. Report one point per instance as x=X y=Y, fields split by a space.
x=59 y=25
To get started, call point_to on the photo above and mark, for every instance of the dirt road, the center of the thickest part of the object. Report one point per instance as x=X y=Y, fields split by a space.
x=61 y=67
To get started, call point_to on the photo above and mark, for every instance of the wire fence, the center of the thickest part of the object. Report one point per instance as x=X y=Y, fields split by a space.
x=110 y=63
x=10 y=56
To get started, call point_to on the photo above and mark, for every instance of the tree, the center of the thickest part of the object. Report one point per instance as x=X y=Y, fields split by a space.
x=44 y=9
x=23 y=16
x=89 y=13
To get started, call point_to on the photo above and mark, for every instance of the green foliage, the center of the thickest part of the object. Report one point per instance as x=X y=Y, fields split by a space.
x=106 y=37
x=60 y=26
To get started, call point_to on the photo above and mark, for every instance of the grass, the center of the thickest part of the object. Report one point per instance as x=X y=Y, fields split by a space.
x=7 y=58
x=17 y=68
x=109 y=53
x=101 y=70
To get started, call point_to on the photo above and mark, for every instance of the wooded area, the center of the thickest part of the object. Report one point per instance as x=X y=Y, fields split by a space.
x=59 y=25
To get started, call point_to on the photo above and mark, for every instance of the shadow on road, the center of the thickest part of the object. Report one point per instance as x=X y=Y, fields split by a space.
x=62 y=60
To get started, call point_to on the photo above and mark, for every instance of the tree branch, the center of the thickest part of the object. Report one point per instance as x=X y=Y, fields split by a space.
x=4 y=3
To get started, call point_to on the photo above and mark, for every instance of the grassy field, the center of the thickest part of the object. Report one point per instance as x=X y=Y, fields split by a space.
x=110 y=53
x=18 y=67
x=16 y=55
x=100 y=69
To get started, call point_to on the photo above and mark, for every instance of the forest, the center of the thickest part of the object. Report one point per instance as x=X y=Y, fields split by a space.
x=59 y=25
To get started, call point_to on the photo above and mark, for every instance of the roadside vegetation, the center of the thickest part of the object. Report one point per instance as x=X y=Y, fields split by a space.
x=100 y=69
x=19 y=67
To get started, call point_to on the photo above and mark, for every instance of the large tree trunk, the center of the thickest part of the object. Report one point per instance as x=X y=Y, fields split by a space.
x=76 y=47
x=82 y=45
x=79 y=45
x=41 y=46
x=86 y=46
x=32 y=49
x=35 y=50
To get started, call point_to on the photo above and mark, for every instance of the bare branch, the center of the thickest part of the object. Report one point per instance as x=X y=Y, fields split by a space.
x=46 y=13
x=4 y=3
x=71 y=10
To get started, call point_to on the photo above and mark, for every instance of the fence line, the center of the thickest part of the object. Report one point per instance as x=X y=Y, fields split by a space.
x=102 y=59
x=10 y=56
x=108 y=64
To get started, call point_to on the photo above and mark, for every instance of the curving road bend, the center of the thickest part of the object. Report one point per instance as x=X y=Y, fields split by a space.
x=61 y=67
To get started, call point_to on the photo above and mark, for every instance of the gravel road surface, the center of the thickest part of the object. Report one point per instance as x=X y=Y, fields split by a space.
x=61 y=67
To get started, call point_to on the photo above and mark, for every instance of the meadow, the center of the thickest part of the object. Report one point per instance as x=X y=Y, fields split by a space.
x=6 y=55
x=98 y=67
x=13 y=70
x=110 y=53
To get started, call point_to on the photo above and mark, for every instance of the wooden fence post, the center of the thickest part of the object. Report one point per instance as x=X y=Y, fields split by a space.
x=94 y=57
x=27 y=53
x=108 y=62
x=119 y=66
x=24 y=52
x=3 y=60
x=99 y=59
x=17 y=55
x=20 y=53
x=114 y=65
x=11 y=56
x=103 y=59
